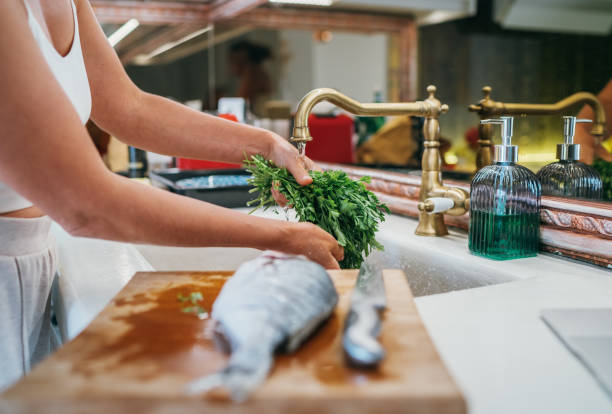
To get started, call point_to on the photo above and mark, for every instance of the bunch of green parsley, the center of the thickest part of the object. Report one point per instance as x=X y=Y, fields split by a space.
x=339 y=205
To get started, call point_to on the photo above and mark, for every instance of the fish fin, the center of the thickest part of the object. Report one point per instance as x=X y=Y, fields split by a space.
x=242 y=375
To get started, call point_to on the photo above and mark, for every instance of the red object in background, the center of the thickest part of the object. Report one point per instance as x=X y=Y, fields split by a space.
x=332 y=139
x=190 y=164
x=472 y=135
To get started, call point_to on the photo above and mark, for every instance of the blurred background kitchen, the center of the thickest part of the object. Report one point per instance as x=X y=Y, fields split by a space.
x=207 y=53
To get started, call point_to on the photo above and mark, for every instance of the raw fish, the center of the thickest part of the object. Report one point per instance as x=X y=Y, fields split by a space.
x=272 y=303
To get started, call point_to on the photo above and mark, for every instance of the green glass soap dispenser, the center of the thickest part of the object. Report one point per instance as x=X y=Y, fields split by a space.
x=504 y=204
x=569 y=177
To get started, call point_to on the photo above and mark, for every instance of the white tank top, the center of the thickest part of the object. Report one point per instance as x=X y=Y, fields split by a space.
x=70 y=73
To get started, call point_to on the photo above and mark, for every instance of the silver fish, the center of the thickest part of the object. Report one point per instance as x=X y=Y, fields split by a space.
x=274 y=302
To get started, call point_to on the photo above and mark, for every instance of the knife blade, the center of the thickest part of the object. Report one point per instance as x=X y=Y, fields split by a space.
x=363 y=323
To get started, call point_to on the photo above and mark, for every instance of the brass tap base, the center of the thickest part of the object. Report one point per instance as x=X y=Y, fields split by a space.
x=431 y=225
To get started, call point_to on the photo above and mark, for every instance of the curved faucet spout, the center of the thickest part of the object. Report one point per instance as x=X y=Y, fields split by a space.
x=430 y=107
x=487 y=107
x=456 y=200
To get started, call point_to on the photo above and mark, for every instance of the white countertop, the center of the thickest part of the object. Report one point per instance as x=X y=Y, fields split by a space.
x=491 y=338
x=503 y=356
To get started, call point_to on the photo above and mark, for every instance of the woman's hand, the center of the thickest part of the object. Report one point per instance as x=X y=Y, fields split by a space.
x=285 y=155
x=302 y=238
x=313 y=242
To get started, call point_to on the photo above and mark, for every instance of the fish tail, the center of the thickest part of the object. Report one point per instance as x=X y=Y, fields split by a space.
x=240 y=377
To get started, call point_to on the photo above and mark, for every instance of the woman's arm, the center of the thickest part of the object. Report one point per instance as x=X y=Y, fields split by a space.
x=46 y=155
x=590 y=150
x=158 y=124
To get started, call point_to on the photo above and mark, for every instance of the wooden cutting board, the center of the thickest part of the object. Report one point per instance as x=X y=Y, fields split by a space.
x=139 y=353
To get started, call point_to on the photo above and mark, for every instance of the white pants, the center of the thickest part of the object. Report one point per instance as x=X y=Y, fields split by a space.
x=28 y=263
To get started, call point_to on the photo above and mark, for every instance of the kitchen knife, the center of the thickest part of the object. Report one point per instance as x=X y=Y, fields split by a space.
x=363 y=323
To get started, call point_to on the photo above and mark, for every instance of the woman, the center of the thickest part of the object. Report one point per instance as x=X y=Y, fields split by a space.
x=246 y=62
x=591 y=149
x=58 y=70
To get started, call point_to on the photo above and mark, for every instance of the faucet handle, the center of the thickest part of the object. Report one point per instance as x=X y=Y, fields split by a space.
x=486 y=93
x=431 y=90
x=447 y=200
x=485 y=101
x=436 y=205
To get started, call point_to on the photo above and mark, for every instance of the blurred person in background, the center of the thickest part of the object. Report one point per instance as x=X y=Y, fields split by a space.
x=593 y=150
x=590 y=148
x=246 y=61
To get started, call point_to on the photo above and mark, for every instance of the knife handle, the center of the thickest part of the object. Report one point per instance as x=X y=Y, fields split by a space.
x=359 y=341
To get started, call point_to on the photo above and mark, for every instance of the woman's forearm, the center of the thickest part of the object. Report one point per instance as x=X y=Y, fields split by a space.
x=160 y=125
x=132 y=212
x=141 y=214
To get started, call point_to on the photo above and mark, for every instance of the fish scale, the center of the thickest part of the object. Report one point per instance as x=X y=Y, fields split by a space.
x=273 y=301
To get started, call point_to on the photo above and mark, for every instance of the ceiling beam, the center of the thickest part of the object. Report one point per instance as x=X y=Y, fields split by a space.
x=223 y=9
x=160 y=12
x=159 y=38
x=150 y=12
x=202 y=44
x=303 y=19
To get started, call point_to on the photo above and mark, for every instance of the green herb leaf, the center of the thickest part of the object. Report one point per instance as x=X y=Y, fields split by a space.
x=194 y=298
x=339 y=205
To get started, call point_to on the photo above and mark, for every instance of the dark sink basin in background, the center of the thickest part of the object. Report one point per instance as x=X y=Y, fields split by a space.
x=226 y=196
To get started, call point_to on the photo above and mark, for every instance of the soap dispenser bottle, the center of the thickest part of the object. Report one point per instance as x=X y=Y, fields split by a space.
x=569 y=177
x=504 y=204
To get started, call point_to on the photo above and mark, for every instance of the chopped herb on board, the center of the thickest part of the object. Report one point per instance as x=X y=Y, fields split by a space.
x=338 y=204
x=194 y=298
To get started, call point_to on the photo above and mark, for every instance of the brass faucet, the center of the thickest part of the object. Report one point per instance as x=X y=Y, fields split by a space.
x=431 y=218
x=487 y=108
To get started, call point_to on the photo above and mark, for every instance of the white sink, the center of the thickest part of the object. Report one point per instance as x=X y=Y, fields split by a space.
x=432 y=264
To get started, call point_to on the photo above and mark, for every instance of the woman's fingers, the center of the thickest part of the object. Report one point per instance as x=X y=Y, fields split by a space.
x=297 y=168
x=315 y=243
x=331 y=263
x=310 y=164
x=338 y=252
x=286 y=155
